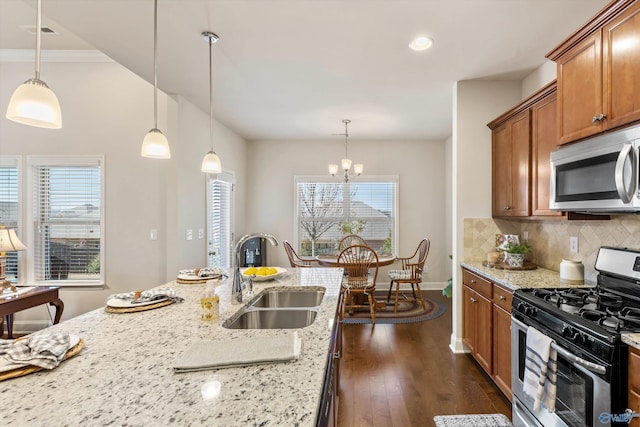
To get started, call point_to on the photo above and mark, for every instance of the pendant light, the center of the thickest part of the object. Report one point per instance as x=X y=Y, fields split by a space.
x=346 y=162
x=33 y=103
x=211 y=162
x=155 y=144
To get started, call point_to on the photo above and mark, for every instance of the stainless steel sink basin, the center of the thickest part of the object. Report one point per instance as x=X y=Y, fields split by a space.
x=289 y=298
x=272 y=319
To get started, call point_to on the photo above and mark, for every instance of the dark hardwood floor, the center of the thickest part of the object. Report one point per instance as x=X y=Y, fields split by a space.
x=405 y=374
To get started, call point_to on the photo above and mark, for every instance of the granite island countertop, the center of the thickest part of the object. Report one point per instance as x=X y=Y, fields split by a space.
x=124 y=374
x=521 y=279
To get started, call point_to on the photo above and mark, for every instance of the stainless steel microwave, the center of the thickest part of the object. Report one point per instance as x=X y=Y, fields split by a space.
x=597 y=175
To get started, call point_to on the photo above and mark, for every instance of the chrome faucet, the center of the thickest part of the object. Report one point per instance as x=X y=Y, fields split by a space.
x=236 y=290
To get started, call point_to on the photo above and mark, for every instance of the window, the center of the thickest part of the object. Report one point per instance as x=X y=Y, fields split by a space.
x=328 y=210
x=219 y=220
x=67 y=218
x=10 y=207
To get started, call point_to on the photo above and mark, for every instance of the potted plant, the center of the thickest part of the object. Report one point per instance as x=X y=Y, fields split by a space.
x=515 y=254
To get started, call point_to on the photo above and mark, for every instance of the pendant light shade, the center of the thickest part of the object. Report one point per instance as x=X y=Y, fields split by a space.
x=211 y=162
x=33 y=103
x=155 y=144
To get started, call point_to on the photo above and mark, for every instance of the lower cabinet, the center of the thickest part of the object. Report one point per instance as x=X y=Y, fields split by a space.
x=328 y=411
x=634 y=384
x=486 y=311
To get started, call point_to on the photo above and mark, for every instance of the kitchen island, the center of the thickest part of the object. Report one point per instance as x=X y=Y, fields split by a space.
x=124 y=374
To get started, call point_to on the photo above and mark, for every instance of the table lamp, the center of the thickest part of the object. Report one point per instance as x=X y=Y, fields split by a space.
x=9 y=242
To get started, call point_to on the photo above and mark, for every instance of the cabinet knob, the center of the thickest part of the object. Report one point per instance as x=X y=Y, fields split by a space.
x=473 y=281
x=600 y=117
x=473 y=299
x=501 y=297
x=506 y=208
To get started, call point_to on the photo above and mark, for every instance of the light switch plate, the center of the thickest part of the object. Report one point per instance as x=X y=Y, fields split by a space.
x=573 y=245
x=189 y=234
x=200 y=233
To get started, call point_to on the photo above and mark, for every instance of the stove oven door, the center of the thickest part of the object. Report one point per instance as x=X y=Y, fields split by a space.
x=582 y=393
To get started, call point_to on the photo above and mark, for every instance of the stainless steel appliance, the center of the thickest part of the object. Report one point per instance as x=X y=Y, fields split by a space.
x=586 y=325
x=598 y=174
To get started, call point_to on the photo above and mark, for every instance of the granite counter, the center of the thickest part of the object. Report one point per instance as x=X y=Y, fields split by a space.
x=124 y=375
x=521 y=279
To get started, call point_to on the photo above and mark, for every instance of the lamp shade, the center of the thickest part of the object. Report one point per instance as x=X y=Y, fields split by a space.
x=333 y=169
x=155 y=145
x=34 y=104
x=358 y=168
x=9 y=241
x=211 y=163
x=346 y=164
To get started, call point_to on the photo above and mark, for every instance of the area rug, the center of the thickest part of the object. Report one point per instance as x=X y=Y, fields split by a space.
x=478 y=420
x=408 y=312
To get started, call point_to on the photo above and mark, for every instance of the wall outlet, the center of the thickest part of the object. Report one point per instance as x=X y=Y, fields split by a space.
x=189 y=234
x=525 y=236
x=573 y=245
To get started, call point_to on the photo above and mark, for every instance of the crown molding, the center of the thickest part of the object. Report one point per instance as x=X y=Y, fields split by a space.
x=52 y=55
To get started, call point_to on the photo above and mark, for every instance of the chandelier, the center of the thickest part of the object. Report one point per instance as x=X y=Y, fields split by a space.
x=346 y=162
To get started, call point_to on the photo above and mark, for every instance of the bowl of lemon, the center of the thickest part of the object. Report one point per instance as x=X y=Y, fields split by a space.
x=263 y=273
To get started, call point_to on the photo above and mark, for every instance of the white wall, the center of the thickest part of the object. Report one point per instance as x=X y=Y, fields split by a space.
x=107 y=110
x=476 y=103
x=542 y=75
x=420 y=165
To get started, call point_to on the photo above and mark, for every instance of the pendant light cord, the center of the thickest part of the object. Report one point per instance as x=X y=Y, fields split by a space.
x=210 y=92
x=346 y=135
x=155 y=64
x=38 y=35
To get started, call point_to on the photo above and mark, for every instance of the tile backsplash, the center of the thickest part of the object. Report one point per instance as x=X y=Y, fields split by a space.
x=549 y=239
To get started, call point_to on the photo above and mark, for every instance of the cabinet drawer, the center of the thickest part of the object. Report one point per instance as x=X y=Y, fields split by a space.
x=502 y=297
x=477 y=283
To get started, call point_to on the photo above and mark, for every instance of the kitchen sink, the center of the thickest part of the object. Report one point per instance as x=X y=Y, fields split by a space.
x=270 y=318
x=289 y=298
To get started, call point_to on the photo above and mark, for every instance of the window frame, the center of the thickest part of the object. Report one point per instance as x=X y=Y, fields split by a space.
x=324 y=179
x=228 y=177
x=34 y=161
x=16 y=161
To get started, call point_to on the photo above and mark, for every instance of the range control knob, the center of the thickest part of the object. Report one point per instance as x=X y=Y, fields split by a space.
x=526 y=309
x=572 y=335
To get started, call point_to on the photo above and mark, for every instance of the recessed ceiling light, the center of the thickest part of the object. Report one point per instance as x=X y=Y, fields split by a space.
x=421 y=43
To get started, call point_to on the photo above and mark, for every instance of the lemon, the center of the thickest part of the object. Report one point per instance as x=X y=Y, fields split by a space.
x=251 y=270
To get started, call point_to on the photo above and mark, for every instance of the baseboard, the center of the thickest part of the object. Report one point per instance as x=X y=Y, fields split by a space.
x=28 y=326
x=457 y=346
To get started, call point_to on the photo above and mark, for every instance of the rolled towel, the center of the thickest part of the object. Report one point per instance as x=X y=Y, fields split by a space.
x=204 y=354
x=45 y=351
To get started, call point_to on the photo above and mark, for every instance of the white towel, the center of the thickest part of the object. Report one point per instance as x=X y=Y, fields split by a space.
x=540 y=370
x=45 y=351
x=207 y=354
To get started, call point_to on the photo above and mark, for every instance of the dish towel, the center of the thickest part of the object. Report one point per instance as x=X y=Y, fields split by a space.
x=206 y=354
x=148 y=295
x=540 y=370
x=45 y=351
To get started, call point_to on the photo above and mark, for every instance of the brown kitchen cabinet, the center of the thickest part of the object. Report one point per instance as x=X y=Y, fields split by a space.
x=634 y=384
x=486 y=311
x=598 y=82
x=522 y=141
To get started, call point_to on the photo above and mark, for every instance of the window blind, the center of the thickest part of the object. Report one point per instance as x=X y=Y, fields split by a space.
x=67 y=216
x=219 y=220
x=330 y=210
x=9 y=203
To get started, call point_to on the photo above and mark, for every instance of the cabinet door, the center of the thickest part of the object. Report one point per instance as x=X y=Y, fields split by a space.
x=468 y=319
x=621 y=55
x=544 y=139
x=580 y=90
x=502 y=349
x=520 y=165
x=501 y=170
x=484 y=332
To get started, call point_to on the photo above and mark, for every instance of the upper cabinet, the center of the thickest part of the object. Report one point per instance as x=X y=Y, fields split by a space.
x=598 y=82
x=522 y=140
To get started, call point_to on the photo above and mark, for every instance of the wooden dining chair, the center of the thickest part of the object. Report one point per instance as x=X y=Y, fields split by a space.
x=295 y=260
x=410 y=273
x=350 y=240
x=360 y=263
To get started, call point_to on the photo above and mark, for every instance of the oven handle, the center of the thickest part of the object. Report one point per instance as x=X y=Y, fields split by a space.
x=594 y=367
x=625 y=193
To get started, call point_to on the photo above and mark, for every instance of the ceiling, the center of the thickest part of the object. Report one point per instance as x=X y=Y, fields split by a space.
x=293 y=69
